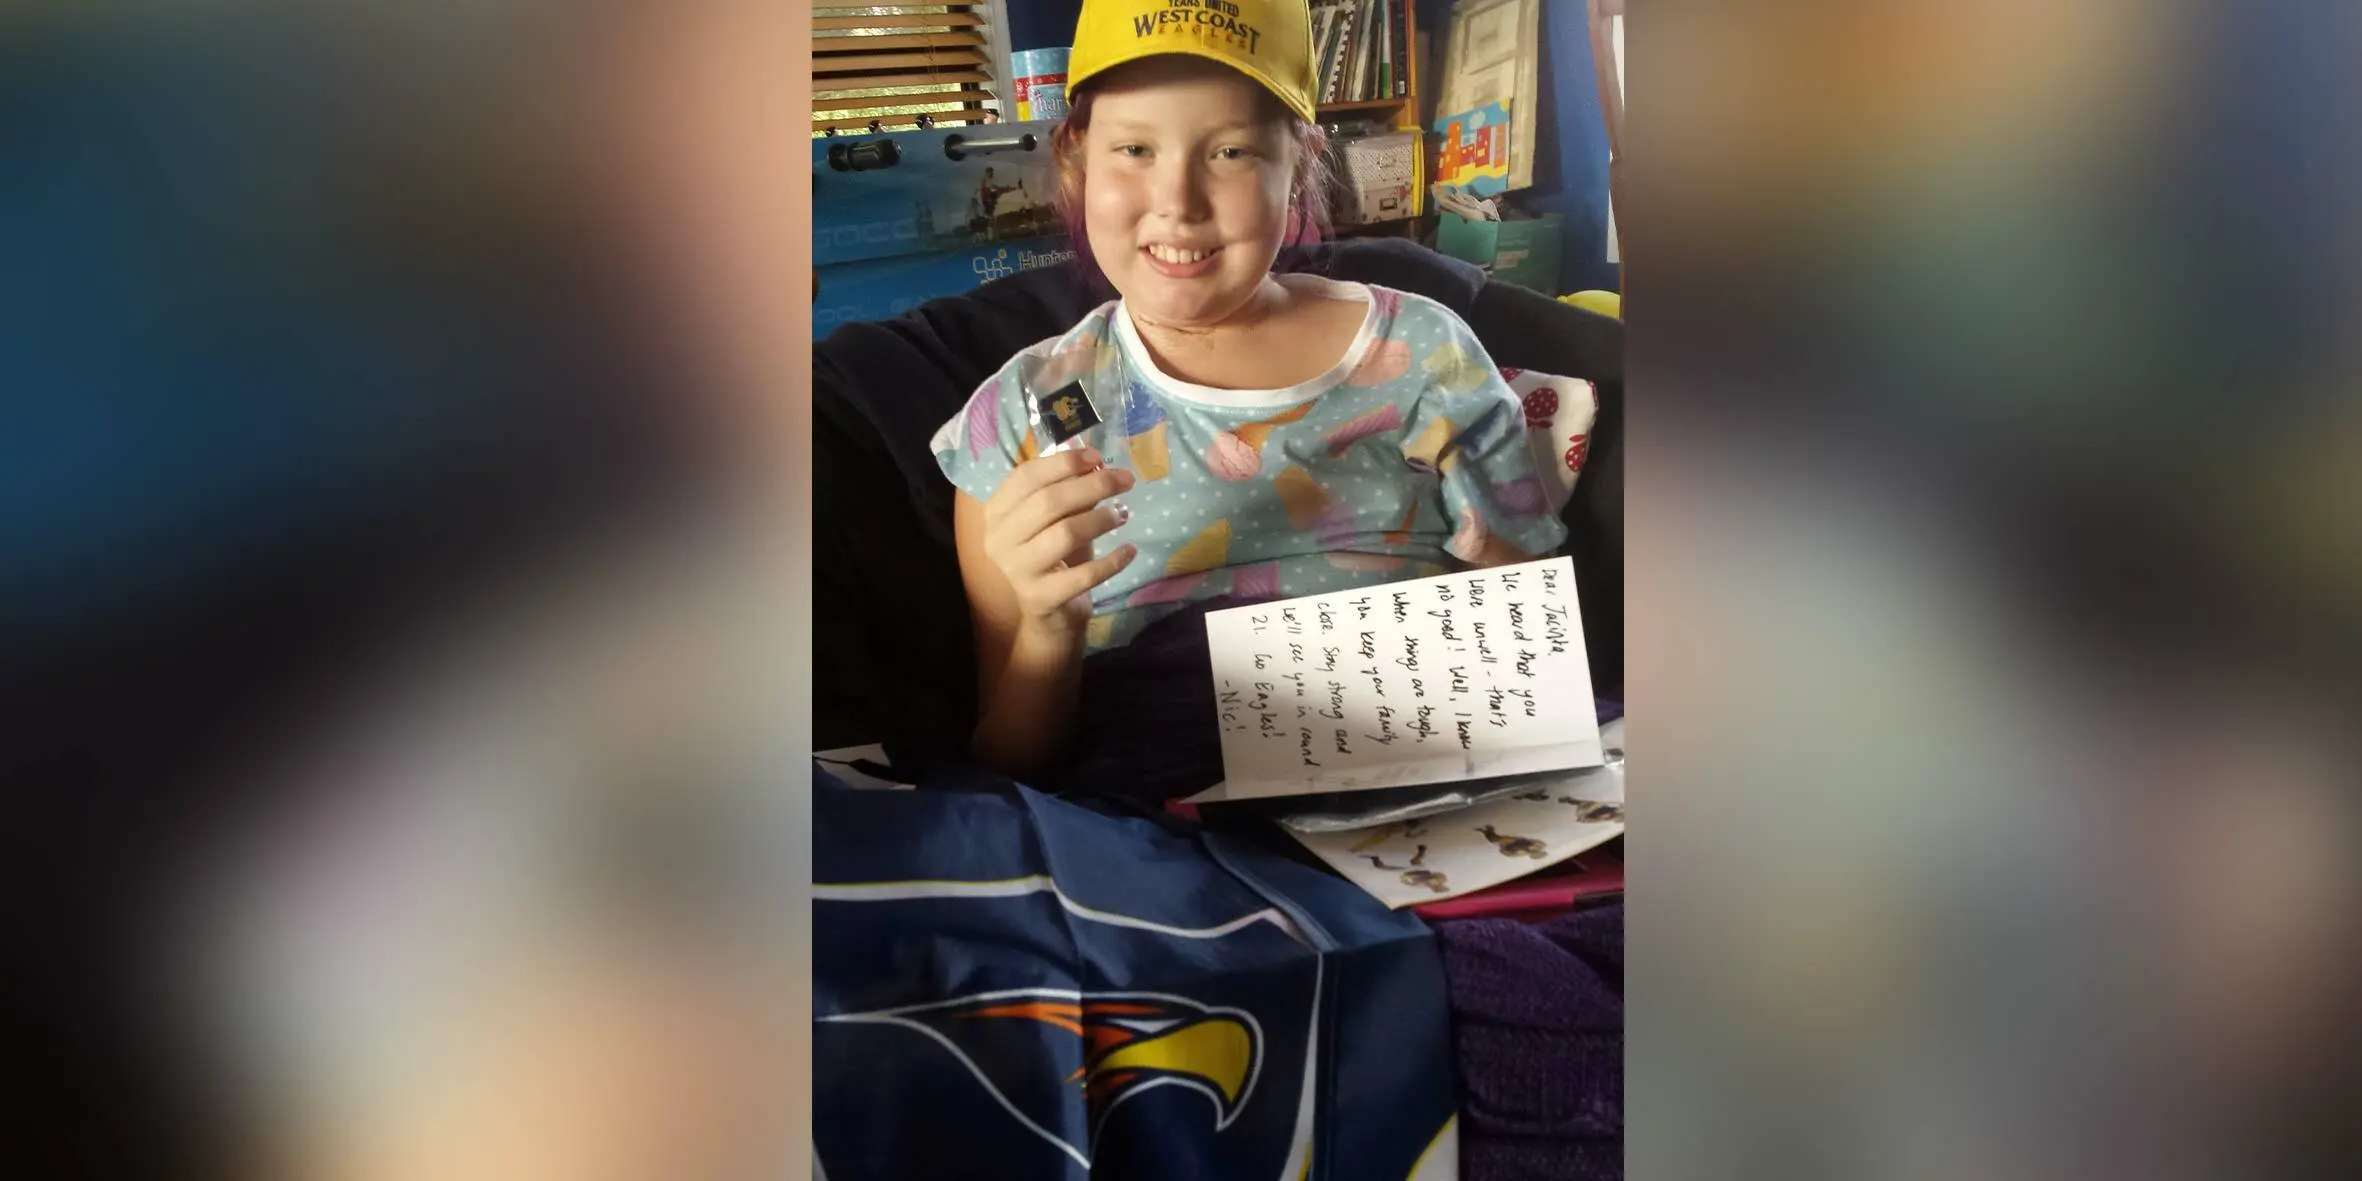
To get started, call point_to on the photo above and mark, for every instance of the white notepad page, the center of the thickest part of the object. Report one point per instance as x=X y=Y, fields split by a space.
x=1461 y=676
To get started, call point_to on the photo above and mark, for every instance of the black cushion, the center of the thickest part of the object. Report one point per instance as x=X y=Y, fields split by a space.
x=893 y=649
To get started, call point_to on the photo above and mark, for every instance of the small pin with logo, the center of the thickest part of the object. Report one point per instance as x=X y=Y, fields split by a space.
x=1067 y=412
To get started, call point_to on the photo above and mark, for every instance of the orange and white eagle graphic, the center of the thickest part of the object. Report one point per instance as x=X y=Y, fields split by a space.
x=1126 y=1045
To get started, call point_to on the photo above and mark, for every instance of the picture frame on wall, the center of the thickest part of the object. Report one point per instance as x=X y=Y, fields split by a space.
x=1492 y=56
x=1607 y=55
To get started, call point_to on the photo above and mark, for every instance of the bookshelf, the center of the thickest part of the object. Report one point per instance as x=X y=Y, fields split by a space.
x=1362 y=109
x=1401 y=111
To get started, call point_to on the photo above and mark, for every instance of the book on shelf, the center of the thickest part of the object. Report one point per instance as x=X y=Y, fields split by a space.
x=1342 y=84
x=1324 y=27
x=1362 y=50
x=1358 y=87
x=1405 y=45
x=1337 y=34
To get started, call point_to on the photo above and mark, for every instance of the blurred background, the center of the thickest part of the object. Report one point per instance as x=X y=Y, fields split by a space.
x=400 y=564
x=1993 y=538
x=404 y=582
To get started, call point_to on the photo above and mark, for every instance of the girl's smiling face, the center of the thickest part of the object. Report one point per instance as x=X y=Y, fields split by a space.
x=1187 y=168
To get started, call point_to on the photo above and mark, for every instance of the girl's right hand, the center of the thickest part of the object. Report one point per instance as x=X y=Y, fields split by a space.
x=1038 y=529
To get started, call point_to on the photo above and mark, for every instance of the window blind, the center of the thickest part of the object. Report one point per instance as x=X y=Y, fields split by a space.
x=891 y=64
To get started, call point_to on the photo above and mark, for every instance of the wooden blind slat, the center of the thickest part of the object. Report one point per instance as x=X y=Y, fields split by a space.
x=921 y=78
x=960 y=95
x=937 y=61
x=821 y=45
x=910 y=20
x=941 y=52
x=825 y=5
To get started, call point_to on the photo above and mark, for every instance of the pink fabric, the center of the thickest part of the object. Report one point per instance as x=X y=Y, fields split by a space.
x=1534 y=898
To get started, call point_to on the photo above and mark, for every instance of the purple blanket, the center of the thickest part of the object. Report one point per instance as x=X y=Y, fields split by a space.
x=1147 y=731
x=1538 y=1032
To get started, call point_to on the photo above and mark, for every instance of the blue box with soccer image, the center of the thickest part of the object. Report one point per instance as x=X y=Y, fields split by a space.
x=909 y=192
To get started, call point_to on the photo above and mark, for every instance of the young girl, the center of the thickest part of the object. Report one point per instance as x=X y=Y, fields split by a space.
x=1258 y=436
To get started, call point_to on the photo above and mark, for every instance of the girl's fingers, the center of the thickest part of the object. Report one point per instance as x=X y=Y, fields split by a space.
x=1035 y=474
x=1077 y=581
x=1063 y=500
x=1062 y=539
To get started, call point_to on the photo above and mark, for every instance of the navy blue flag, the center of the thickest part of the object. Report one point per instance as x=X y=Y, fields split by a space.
x=1009 y=985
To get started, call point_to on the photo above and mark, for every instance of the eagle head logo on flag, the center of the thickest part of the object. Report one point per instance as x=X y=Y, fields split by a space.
x=1121 y=1045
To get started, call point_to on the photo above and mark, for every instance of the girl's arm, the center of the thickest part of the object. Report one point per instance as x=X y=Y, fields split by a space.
x=1029 y=638
x=1027 y=672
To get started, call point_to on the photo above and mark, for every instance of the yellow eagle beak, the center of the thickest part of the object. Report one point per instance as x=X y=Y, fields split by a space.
x=1217 y=1049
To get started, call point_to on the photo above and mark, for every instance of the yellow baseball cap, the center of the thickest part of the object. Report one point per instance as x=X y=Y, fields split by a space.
x=1267 y=40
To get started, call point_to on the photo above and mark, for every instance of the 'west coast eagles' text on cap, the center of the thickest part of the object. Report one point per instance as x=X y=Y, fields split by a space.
x=1267 y=40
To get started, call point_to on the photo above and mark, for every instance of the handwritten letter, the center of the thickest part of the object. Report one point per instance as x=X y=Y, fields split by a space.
x=1462 y=676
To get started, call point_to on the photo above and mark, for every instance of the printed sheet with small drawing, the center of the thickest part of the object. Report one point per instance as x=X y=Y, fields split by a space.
x=1474 y=848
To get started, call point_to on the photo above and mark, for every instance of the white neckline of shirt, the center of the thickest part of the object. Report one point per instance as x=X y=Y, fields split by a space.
x=1136 y=351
